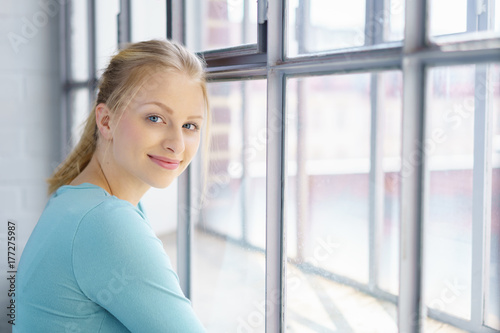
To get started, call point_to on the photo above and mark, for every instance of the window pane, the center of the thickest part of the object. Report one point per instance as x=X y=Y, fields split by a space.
x=395 y=15
x=160 y=206
x=390 y=109
x=254 y=153
x=217 y=24
x=468 y=19
x=149 y=20
x=326 y=25
x=334 y=172
x=496 y=20
x=342 y=114
x=107 y=32
x=456 y=23
x=228 y=268
x=493 y=308
x=328 y=188
x=79 y=41
x=79 y=111
x=449 y=154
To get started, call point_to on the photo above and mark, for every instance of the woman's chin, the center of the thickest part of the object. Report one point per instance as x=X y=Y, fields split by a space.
x=162 y=184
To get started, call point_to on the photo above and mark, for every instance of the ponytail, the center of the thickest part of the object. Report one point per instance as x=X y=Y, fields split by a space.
x=78 y=159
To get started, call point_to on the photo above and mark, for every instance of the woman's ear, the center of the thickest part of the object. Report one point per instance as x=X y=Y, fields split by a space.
x=103 y=116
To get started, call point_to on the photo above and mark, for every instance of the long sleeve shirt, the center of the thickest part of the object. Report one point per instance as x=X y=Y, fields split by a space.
x=93 y=264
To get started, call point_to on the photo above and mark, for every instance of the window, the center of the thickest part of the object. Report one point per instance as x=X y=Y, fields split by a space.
x=325 y=25
x=107 y=38
x=336 y=233
x=492 y=308
x=221 y=24
x=79 y=104
x=229 y=236
x=353 y=182
x=154 y=13
x=471 y=19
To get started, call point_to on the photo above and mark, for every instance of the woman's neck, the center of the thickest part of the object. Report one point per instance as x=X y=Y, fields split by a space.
x=101 y=174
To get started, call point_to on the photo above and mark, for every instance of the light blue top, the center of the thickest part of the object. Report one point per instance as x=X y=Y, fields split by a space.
x=93 y=264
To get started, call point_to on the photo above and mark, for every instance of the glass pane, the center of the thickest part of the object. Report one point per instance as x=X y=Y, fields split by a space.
x=395 y=15
x=390 y=109
x=217 y=24
x=469 y=19
x=223 y=211
x=254 y=153
x=493 y=307
x=496 y=20
x=322 y=174
x=107 y=36
x=79 y=111
x=456 y=23
x=160 y=206
x=79 y=41
x=327 y=25
x=449 y=153
x=149 y=20
x=327 y=211
x=228 y=270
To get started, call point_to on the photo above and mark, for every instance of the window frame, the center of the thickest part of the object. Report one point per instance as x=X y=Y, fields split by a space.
x=68 y=84
x=415 y=55
x=241 y=54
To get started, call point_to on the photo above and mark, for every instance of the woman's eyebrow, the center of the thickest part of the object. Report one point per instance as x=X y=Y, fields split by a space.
x=161 y=105
x=170 y=111
x=196 y=117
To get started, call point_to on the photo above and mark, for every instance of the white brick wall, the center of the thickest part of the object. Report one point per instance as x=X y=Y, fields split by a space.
x=29 y=123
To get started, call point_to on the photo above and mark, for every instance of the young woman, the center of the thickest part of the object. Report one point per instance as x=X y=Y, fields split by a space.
x=93 y=263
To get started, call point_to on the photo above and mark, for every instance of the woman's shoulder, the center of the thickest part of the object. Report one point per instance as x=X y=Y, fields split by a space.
x=112 y=223
x=87 y=197
x=71 y=207
x=113 y=208
x=87 y=209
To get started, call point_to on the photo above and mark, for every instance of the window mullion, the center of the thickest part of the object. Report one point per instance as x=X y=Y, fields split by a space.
x=124 y=23
x=177 y=16
x=302 y=178
x=471 y=15
x=186 y=198
x=92 y=49
x=169 y=16
x=244 y=24
x=184 y=219
x=374 y=26
x=262 y=25
x=275 y=247
x=410 y=278
x=477 y=15
x=65 y=37
x=481 y=204
x=483 y=16
x=245 y=177
x=376 y=205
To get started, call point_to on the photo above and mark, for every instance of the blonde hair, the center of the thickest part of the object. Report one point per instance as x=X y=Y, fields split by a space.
x=127 y=72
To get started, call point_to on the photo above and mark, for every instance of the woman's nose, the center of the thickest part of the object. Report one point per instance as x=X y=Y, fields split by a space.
x=174 y=141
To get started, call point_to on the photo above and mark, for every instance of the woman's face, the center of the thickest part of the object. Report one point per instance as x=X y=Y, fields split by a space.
x=158 y=134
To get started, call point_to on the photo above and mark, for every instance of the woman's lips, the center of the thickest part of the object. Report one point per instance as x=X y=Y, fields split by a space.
x=165 y=162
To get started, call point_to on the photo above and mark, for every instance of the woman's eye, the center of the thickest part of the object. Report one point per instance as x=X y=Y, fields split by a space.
x=154 y=119
x=191 y=127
